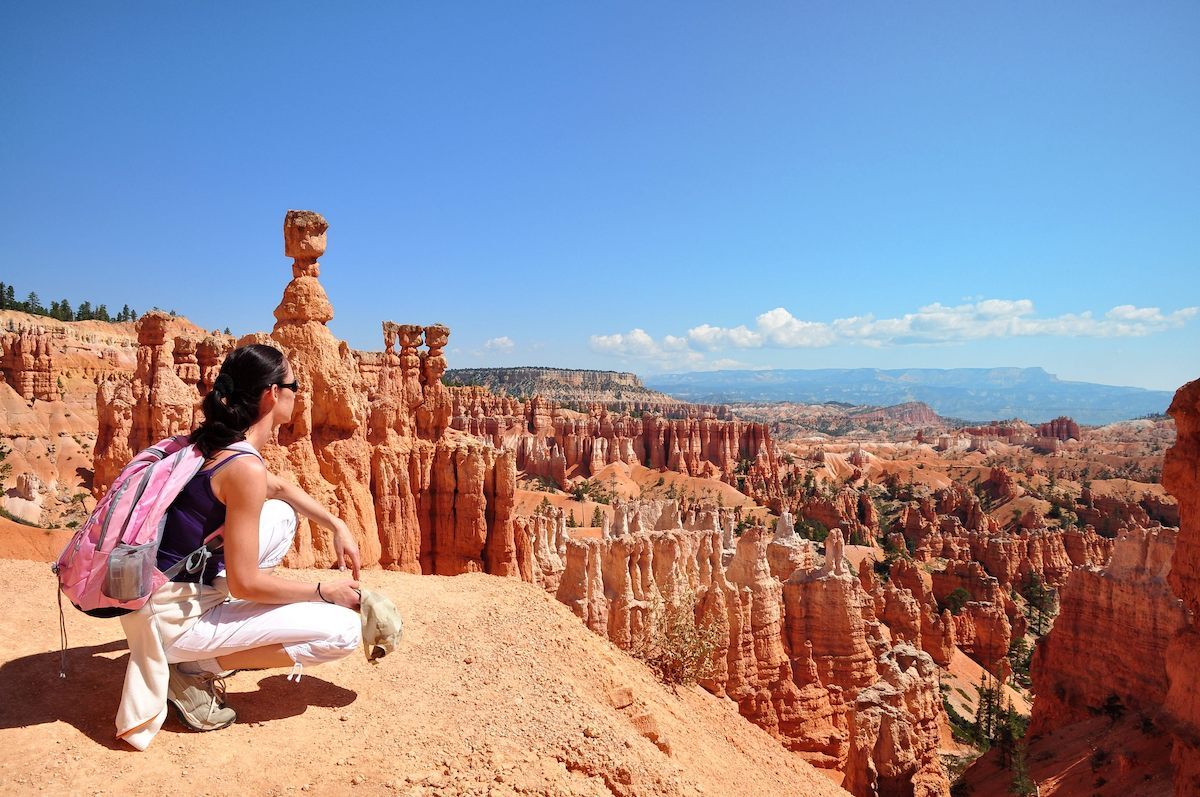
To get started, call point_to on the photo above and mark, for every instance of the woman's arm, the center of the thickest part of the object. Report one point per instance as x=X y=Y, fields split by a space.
x=244 y=489
x=344 y=544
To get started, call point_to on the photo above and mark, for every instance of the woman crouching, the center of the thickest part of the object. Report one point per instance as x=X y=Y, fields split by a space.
x=229 y=611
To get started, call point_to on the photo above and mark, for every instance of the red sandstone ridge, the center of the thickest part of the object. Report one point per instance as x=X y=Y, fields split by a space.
x=561 y=444
x=42 y=358
x=1111 y=635
x=1061 y=428
x=807 y=659
x=27 y=363
x=47 y=411
x=1180 y=477
x=1121 y=632
x=965 y=549
x=159 y=399
x=912 y=413
x=1107 y=654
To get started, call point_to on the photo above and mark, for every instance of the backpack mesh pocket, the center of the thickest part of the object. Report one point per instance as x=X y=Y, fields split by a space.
x=130 y=571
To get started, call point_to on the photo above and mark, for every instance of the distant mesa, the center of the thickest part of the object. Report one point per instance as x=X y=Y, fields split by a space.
x=973 y=394
x=563 y=385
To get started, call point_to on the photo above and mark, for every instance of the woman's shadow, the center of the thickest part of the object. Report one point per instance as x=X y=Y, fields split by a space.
x=32 y=693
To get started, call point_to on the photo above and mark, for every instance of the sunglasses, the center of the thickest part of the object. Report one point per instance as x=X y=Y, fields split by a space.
x=293 y=386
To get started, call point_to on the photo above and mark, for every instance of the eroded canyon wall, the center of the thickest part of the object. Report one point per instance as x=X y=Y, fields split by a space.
x=1111 y=635
x=1181 y=476
x=561 y=444
x=806 y=658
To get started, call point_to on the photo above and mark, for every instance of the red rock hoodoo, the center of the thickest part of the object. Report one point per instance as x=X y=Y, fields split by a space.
x=369 y=435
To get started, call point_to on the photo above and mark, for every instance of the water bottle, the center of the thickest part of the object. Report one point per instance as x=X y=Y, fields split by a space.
x=130 y=572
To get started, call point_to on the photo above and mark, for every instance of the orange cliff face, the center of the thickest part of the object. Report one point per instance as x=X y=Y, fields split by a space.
x=805 y=658
x=1181 y=477
x=962 y=547
x=561 y=444
x=1111 y=635
x=27 y=363
x=48 y=375
x=1128 y=630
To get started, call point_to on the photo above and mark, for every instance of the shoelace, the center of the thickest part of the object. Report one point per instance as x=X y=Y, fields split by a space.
x=216 y=691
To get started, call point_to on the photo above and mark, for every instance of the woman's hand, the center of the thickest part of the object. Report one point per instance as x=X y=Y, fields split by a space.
x=345 y=548
x=343 y=593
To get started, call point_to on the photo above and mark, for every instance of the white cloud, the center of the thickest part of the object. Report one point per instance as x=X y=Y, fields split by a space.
x=636 y=344
x=781 y=328
x=500 y=344
x=932 y=324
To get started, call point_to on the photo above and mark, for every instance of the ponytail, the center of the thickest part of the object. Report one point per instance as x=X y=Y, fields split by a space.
x=231 y=407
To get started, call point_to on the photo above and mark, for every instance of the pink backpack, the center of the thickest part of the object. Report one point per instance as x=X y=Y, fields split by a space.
x=110 y=566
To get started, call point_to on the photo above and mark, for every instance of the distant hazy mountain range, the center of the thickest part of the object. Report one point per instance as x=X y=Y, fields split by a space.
x=974 y=394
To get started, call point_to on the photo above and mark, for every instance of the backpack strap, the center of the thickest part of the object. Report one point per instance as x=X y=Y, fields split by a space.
x=230 y=458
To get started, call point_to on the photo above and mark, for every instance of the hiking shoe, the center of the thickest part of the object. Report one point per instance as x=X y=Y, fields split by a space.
x=199 y=700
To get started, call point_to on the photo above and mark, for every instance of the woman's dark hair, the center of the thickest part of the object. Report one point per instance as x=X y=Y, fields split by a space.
x=231 y=407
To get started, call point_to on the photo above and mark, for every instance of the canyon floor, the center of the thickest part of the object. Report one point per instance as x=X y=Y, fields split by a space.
x=497 y=689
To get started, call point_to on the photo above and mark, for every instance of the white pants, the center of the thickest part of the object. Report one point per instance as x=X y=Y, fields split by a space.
x=310 y=633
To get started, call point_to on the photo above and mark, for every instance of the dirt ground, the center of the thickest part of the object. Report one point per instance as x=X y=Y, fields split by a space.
x=497 y=689
x=1092 y=758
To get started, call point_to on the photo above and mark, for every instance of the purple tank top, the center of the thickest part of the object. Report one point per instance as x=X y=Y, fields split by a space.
x=194 y=514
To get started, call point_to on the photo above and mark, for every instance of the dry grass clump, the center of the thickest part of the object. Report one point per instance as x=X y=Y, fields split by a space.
x=680 y=651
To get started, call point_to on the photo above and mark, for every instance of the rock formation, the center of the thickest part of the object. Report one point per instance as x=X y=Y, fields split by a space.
x=806 y=659
x=1111 y=634
x=565 y=385
x=951 y=524
x=27 y=363
x=139 y=410
x=910 y=413
x=1183 y=653
x=1061 y=428
x=849 y=510
x=935 y=634
x=560 y=444
x=368 y=437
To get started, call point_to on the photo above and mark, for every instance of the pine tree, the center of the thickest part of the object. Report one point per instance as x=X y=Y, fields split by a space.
x=54 y=310
x=125 y=314
x=84 y=313
x=67 y=313
x=10 y=299
x=1039 y=600
x=3 y=296
x=1022 y=785
x=598 y=518
x=1005 y=737
x=980 y=726
x=34 y=305
x=102 y=313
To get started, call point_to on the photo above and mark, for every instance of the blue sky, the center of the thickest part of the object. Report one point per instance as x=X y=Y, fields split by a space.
x=650 y=187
